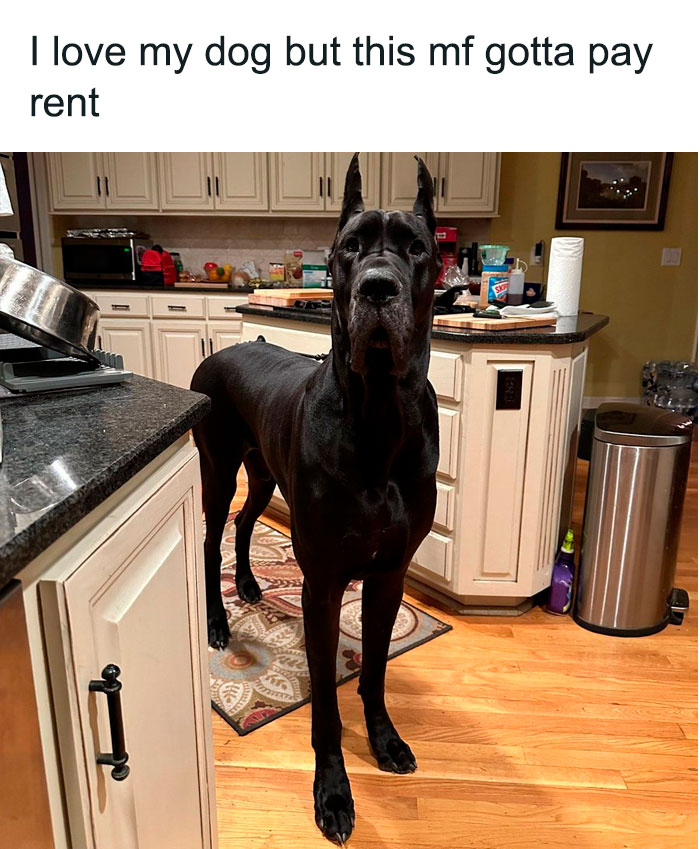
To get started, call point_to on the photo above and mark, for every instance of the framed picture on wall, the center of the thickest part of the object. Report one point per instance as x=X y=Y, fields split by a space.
x=613 y=191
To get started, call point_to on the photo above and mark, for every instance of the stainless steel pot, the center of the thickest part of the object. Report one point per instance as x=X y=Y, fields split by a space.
x=46 y=310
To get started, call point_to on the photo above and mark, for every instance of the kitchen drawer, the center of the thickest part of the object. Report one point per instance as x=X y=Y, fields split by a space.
x=445 y=373
x=301 y=341
x=121 y=304
x=435 y=555
x=225 y=307
x=174 y=306
x=445 y=506
x=448 y=422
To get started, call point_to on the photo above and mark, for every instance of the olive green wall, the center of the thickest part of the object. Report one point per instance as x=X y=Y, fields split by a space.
x=652 y=309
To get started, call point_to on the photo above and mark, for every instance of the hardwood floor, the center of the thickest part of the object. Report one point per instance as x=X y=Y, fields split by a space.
x=530 y=733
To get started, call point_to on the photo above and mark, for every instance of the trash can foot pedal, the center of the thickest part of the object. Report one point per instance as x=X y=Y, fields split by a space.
x=678 y=606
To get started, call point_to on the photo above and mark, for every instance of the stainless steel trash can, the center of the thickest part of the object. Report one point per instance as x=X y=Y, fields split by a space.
x=636 y=485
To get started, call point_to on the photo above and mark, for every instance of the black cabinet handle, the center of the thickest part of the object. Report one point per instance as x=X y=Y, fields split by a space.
x=107 y=186
x=99 y=188
x=320 y=186
x=211 y=347
x=209 y=186
x=99 y=342
x=442 y=188
x=216 y=184
x=111 y=687
x=329 y=186
x=204 y=353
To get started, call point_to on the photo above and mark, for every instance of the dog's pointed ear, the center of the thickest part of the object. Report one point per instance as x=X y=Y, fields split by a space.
x=423 y=207
x=352 y=198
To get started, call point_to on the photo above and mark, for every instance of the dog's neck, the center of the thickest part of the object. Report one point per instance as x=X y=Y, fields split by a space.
x=385 y=411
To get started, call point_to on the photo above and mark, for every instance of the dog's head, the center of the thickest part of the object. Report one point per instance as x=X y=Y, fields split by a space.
x=384 y=267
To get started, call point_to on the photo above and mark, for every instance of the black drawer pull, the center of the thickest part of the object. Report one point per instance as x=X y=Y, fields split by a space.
x=177 y=307
x=229 y=309
x=111 y=687
x=121 y=307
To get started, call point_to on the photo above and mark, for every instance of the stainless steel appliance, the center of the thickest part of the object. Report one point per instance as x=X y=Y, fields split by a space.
x=103 y=259
x=636 y=485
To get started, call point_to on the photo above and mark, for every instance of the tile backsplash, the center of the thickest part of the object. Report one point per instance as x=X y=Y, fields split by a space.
x=235 y=240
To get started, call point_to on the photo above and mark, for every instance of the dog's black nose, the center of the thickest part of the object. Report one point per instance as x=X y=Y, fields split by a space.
x=378 y=286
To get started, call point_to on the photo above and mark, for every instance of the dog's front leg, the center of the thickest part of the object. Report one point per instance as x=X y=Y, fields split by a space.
x=334 y=808
x=381 y=598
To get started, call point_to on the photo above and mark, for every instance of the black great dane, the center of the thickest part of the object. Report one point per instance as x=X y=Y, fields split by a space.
x=352 y=444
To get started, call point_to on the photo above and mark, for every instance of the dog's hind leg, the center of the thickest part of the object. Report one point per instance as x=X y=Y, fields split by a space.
x=220 y=455
x=381 y=599
x=261 y=485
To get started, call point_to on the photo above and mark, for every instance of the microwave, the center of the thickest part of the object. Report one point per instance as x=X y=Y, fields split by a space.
x=118 y=260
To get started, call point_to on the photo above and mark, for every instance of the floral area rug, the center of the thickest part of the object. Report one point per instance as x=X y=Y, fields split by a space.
x=263 y=673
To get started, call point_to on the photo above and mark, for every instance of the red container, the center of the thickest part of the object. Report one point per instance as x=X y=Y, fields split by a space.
x=446 y=237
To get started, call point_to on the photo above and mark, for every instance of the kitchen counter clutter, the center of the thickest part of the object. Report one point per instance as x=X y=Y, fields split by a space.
x=101 y=543
x=65 y=452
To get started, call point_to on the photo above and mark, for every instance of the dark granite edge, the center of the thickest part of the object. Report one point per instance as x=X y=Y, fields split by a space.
x=534 y=336
x=33 y=540
x=117 y=286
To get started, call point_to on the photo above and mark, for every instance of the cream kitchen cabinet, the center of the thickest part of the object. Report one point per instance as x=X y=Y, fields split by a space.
x=240 y=181
x=336 y=169
x=314 y=182
x=502 y=473
x=222 y=335
x=399 y=178
x=125 y=587
x=193 y=182
x=297 y=182
x=178 y=348
x=464 y=183
x=468 y=182
x=103 y=181
x=130 y=337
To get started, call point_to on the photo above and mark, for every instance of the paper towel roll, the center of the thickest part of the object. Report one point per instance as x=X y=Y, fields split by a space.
x=564 y=278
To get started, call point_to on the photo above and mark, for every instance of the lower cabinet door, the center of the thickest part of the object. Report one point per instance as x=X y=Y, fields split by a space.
x=132 y=339
x=179 y=347
x=223 y=335
x=136 y=602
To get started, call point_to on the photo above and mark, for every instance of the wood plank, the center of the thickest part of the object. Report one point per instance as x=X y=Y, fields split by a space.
x=531 y=733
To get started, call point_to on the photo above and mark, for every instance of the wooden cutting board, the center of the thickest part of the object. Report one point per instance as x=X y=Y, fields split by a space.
x=286 y=297
x=466 y=321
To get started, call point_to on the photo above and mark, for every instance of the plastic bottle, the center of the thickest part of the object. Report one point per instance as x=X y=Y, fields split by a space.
x=516 y=283
x=562 y=585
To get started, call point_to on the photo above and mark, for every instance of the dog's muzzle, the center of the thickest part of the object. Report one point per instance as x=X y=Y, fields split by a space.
x=380 y=323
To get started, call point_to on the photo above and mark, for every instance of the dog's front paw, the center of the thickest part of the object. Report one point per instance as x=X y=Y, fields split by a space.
x=218 y=630
x=249 y=590
x=333 y=804
x=391 y=752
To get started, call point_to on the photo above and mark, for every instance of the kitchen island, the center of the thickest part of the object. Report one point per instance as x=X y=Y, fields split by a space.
x=100 y=563
x=509 y=405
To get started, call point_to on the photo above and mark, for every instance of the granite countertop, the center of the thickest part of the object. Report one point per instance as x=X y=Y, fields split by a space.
x=120 y=286
x=65 y=452
x=567 y=330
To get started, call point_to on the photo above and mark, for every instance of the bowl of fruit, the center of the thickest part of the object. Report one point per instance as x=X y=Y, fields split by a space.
x=218 y=273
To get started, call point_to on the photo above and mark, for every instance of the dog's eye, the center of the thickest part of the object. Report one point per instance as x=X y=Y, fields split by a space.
x=417 y=247
x=352 y=245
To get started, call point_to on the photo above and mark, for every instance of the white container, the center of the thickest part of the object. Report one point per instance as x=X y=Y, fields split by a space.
x=516 y=283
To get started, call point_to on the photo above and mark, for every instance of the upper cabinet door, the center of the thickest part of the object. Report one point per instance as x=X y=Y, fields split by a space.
x=399 y=172
x=336 y=168
x=469 y=183
x=131 y=181
x=240 y=181
x=297 y=182
x=77 y=180
x=186 y=181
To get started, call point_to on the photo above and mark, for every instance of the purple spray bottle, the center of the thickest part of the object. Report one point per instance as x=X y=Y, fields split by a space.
x=562 y=586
